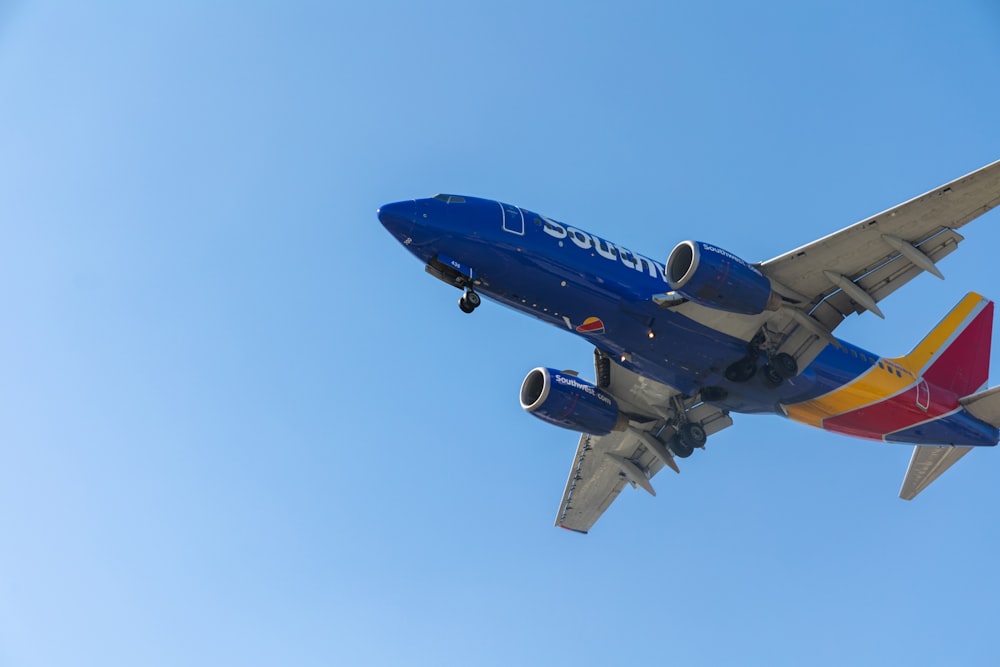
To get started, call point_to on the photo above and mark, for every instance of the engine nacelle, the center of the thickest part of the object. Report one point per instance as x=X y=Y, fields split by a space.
x=712 y=277
x=567 y=401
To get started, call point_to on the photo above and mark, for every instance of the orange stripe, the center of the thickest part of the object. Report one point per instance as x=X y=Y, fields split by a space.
x=870 y=387
x=916 y=361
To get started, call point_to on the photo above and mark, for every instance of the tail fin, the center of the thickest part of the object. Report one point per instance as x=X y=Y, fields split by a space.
x=955 y=355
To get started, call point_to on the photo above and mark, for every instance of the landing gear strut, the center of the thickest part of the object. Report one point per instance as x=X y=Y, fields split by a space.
x=469 y=301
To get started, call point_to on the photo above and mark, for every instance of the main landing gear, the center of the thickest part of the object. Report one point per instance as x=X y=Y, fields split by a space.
x=469 y=301
x=689 y=437
x=780 y=366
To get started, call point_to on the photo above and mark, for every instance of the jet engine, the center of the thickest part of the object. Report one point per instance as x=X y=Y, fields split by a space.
x=712 y=277
x=567 y=401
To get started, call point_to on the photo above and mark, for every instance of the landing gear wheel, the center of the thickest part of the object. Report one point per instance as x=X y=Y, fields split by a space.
x=679 y=449
x=692 y=435
x=742 y=370
x=772 y=376
x=785 y=365
x=469 y=302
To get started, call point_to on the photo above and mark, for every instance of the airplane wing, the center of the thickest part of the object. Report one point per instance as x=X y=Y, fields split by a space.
x=603 y=465
x=822 y=283
x=882 y=253
x=853 y=269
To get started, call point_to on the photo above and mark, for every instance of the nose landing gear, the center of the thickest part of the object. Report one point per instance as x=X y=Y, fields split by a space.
x=469 y=301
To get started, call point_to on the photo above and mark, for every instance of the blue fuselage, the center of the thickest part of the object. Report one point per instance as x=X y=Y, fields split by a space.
x=602 y=291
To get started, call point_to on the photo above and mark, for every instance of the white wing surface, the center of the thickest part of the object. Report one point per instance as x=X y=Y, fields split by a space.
x=603 y=465
x=926 y=465
x=853 y=269
x=884 y=252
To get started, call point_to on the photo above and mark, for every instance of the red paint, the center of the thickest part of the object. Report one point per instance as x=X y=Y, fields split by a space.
x=592 y=325
x=959 y=371
x=964 y=367
x=899 y=412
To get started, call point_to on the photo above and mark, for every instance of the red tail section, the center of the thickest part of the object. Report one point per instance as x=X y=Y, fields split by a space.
x=959 y=348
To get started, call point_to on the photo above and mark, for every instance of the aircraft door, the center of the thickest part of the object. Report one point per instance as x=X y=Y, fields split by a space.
x=513 y=219
x=923 y=395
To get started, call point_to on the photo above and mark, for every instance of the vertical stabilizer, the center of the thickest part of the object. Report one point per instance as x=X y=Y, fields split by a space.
x=955 y=355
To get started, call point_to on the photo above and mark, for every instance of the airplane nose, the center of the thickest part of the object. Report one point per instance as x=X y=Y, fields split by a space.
x=397 y=217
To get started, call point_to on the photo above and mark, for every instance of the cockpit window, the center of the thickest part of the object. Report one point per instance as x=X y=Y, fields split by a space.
x=450 y=199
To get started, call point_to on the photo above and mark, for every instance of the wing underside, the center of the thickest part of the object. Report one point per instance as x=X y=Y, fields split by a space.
x=596 y=479
x=882 y=253
x=851 y=270
x=821 y=283
x=604 y=465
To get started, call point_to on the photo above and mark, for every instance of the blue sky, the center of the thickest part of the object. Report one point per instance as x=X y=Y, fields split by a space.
x=240 y=425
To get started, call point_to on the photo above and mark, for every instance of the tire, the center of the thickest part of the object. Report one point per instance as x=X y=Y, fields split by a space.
x=464 y=306
x=785 y=365
x=772 y=378
x=679 y=449
x=472 y=299
x=692 y=435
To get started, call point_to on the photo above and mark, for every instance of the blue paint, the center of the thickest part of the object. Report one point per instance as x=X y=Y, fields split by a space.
x=562 y=274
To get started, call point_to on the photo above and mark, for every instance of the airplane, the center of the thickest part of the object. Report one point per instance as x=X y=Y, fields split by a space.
x=680 y=346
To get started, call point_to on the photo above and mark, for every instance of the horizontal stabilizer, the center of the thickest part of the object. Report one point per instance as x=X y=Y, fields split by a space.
x=984 y=406
x=926 y=465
